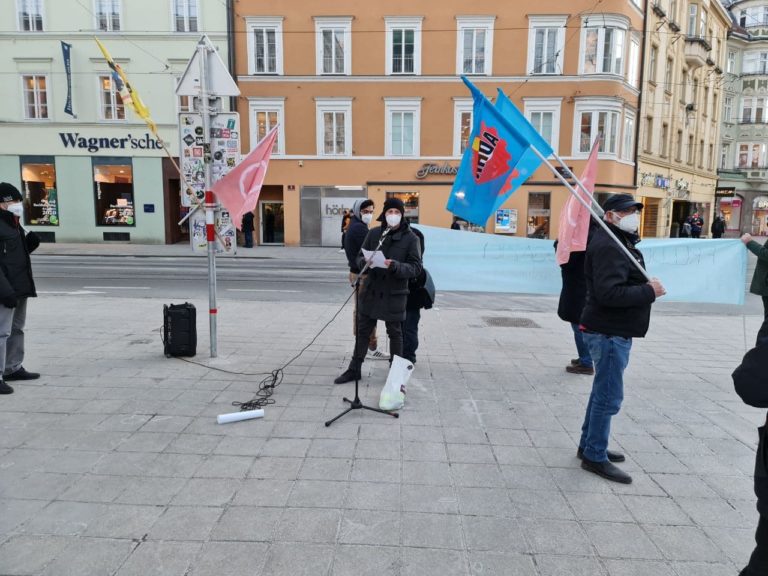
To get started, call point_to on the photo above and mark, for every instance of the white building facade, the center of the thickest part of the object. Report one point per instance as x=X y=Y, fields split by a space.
x=89 y=168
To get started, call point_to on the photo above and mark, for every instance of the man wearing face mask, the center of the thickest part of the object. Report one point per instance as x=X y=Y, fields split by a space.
x=361 y=217
x=16 y=285
x=617 y=309
x=386 y=289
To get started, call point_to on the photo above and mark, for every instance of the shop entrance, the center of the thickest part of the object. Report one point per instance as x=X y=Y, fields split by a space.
x=174 y=211
x=681 y=209
x=271 y=223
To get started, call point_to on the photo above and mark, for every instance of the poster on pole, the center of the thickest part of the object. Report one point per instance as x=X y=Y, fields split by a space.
x=226 y=235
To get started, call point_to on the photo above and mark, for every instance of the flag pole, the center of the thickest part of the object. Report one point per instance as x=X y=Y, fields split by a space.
x=598 y=209
x=588 y=206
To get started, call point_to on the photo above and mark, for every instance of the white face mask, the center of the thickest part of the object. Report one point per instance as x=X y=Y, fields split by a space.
x=393 y=220
x=630 y=223
x=16 y=208
x=367 y=218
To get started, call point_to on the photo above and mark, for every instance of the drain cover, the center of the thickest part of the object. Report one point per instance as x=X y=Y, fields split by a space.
x=510 y=322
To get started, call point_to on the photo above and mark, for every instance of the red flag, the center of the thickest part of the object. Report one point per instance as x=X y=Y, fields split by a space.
x=574 y=219
x=239 y=190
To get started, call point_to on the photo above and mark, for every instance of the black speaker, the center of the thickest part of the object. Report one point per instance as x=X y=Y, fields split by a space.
x=180 y=329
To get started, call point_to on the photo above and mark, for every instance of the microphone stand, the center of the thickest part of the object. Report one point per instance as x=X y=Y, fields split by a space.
x=356 y=404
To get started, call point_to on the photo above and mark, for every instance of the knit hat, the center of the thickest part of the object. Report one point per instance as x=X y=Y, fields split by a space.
x=621 y=202
x=9 y=193
x=389 y=204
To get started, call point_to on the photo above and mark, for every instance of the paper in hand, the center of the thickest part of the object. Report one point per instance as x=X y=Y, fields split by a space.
x=378 y=258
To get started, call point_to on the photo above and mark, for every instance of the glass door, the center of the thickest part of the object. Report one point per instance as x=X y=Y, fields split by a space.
x=271 y=223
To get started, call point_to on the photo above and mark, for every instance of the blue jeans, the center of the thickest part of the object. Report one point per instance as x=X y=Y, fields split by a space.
x=611 y=356
x=585 y=359
x=411 y=333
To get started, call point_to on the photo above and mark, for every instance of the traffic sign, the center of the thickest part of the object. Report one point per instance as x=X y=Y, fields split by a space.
x=220 y=81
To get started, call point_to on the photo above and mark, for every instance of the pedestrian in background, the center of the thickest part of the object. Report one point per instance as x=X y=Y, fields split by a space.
x=759 y=283
x=247 y=228
x=617 y=309
x=572 y=297
x=345 y=219
x=718 y=226
x=16 y=285
x=455 y=224
x=696 y=225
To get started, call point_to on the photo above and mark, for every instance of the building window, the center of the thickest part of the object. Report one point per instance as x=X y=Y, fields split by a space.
x=689 y=156
x=730 y=65
x=546 y=43
x=265 y=114
x=602 y=45
x=753 y=111
x=538 y=215
x=333 y=45
x=411 y=202
x=755 y=62
x=668 y=74
x=705 y=101
x=35 y=97
x=714 y=106
x=462 y=124
x=684 y=88
x=38 y=180
x=679 y=148
x=701 y=153
x=107 y=14
x=334 y=126
x=596 y=117
x=30 y=15
x=634 y=62
x=185 y=15
x=752 y=155
x=544 y=115
x=727 y=108
x=265 y=45
x=725 y=154
x=628 y=137
x=403 y=45
x=474 y=54
x=402 y=126
x=693 y=11
x=711 y=157
x=113 y=191
x=743 y=18
x=652 y=64
x=664 y=140
x=112 y=107
x=649 y=134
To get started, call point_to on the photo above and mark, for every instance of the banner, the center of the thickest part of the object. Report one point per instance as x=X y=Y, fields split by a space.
x=66 y=50
x=691 y=270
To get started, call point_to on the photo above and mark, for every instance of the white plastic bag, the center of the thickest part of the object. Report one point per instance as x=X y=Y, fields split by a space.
x=393 y=394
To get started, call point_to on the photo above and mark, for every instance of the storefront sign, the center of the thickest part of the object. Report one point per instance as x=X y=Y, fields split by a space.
x=430 y=169
x=94 y=144
x=725 y=191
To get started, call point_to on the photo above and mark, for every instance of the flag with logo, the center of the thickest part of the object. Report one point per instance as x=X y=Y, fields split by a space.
x=494 y=164
x=574 y=219
x=128 y=94
x=239 y=189
x=66 y=51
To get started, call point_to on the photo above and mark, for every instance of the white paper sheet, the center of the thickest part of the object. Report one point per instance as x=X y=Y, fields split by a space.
x=378 y=258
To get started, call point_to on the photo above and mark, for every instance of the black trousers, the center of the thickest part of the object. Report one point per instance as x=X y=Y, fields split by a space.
x=758 y=563
x=366 y=325
x=762 y=334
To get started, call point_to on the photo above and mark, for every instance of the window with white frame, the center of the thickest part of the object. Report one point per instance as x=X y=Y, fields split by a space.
x=546 y=43
x=725 y=155
x=603 y=44
x=334 y=126
x=474 y=54
x=333 y=45
x=183 y=103
x=112 y=107
x=727 y=108
x=633 y=65
x=544 y=116
x=185 y=15
x=731 y=62
x=107 y=13
x=403 y=120
x=753 y=110
x=752 y=155
x=265 y=45
x=264 y=115
x=30 y=15
x=596 y=117
x=755 y=62
x=462 y=124
x=693 y=11
x=35 y=88
x=668 y=74
x=653 y=64
x=628 y=137
x=403 y=45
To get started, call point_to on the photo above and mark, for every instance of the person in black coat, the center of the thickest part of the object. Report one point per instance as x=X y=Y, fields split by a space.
x=16 y=285
x=413 y=307
x=386 y=288
x=247 y=228
x=718 y=227
x=572 y=297
x=751 y=382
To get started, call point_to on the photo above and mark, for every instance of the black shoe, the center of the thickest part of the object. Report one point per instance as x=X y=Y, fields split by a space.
x=612 y=456
x=580 y=369
x=5 y=389
x=21 y=374
x=607 y=471
x=348 y=376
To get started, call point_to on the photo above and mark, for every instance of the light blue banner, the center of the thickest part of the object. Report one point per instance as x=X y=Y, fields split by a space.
x=691 y=270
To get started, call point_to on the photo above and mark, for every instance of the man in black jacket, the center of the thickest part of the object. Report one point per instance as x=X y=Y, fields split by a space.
x=617 y=309
x=16 y=285
x=751 y=382
x=386 y=288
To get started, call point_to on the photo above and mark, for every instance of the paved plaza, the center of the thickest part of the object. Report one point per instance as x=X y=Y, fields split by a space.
x=113 y=463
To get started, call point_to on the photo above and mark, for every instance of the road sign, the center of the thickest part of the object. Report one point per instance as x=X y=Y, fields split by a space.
x=220 y=81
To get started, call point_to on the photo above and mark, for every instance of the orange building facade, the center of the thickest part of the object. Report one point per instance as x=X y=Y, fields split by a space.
x=369 y=103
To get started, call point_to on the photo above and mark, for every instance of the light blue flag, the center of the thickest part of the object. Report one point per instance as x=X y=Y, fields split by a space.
x=492 y=166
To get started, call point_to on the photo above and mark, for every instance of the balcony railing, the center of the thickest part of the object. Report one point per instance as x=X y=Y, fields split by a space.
x=696 y=51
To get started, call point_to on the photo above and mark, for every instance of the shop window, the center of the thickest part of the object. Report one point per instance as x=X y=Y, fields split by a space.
x=411 y=201
x=113 y=192
x=38 y=179
x=538 y=215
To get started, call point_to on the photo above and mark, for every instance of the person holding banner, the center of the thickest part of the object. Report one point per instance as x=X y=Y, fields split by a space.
x=617 y=309
x=759 y=283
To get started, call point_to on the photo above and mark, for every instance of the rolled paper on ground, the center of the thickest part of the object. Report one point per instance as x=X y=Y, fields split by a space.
x=238 y=416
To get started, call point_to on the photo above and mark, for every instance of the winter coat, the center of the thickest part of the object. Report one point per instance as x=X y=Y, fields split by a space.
x=751 y=382
x=416 y=297
x=619 y=297
x=574 y=291
x=759 y=284
x=15 y=265
x=355 y=236
x=386 y=289
x=247 y=225
x=718 y=227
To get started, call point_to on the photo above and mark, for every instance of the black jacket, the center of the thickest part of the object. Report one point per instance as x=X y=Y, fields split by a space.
x=619 y=297
x=386 y=289
x=574 y=291
x=416 y=299
x=15 y=265
x=751 y=382
x=247 y=225
x=353 y=241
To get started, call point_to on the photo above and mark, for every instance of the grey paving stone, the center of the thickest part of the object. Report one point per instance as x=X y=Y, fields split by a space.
x=276 y=468
x=366 y=561
x=64 y=518
x=375 y=527
x=702 y=569
x=96 y=488
x=470 y=453
x=431 y=473
x=556 y=537
x=218 y=466
x=90 y=556
x=197 y=444
x=146 y=442
x=477 y=475
x=373 y=496
x=685 y=485
x=123 y=521
x=378 y=450
x=206 y=492
x=15 y=512
x=540 y=504
x=317 y=494
x=569 y=566
x=286 y=447
x=494 y=534
x=238 y=446
x=683 y=543
x=317 y=525
x=437 y=499
x=185 y=523
x=151 y=491
x=712 y=512
x=298 y=559
x=485 y=502
x=614 y=540
x=124 y=464
x=598 y=507
x=424 y=451
x=36 y=486
x=431 y=531
x=501 y=564
x=332 y=448
x=258 y=492
x=160 y=559
x=30 y=554
x=175 y=465
x=623 y=567
x=365 y=470
x=230 y=559
x=248 y=524
x=431 y=562
x=736 y=543
x=528 y=478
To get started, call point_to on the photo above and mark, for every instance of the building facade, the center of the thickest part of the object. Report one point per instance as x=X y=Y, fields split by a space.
x=743 y=174
x=90 y=169
x=369 y=102
x=682 y=98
